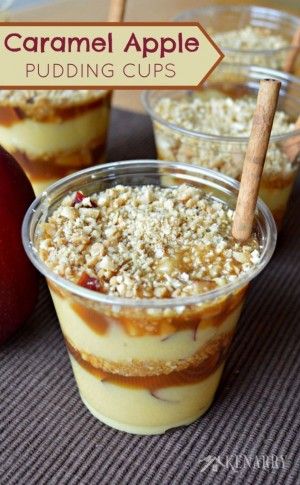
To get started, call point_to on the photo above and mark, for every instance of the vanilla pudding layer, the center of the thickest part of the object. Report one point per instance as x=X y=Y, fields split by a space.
x=115 y=341
x=39 y=139
x=144 y=411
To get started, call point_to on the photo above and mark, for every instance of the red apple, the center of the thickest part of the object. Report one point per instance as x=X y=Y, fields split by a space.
x=18 y=278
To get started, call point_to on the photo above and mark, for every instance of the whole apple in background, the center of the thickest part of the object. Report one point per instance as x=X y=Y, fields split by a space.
x=18 y=278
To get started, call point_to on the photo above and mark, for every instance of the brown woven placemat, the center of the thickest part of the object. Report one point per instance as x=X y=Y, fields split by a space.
x=48 y=437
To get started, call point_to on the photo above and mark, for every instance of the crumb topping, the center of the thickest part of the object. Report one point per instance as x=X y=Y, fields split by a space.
x=49 y=105
x=145 y=242
x=214 y=113
x=251 y=38
x=23 y=98
x=219 y=115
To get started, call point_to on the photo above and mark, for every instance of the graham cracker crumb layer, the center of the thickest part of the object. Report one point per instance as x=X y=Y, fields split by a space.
x=207 y=355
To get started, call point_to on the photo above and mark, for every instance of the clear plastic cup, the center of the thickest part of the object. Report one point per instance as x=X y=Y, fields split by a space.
x=146 y=365
x=52 y=136
x=218 y=19
x=227 y=153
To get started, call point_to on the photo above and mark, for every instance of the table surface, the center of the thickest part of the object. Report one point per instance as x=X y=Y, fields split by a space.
x=137 y=10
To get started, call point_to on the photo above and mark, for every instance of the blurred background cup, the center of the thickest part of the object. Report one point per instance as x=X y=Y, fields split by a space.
x=173 y=142
x=53 y=134
x=219 y=19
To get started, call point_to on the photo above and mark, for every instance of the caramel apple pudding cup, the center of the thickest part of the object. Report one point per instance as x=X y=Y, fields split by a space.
x=248 y=34
x=178 y=137
x=54 y=133
x=145 y=365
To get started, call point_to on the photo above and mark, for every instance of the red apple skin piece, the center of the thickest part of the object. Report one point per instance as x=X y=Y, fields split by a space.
x=18 y=278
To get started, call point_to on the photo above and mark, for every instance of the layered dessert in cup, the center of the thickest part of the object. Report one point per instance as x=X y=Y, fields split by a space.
x=148 y=285
x=249 y=34
x=54 y=133
x=211 y=127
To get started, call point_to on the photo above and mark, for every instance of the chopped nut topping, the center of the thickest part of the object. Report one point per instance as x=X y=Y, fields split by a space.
x=146 y=242
x=252 y=45
x=218 y=115
x=251 y=38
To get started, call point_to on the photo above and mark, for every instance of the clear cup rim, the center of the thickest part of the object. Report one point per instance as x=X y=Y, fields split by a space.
x=156 y=303
x=261 y=71
x=275 y=13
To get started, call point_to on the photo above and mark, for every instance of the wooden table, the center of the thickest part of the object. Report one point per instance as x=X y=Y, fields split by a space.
x=137 y=10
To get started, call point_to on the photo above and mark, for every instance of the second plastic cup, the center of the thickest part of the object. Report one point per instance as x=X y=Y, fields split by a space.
x=146 y=365
x=233 y=28
x=227 y=152
x=52 y=134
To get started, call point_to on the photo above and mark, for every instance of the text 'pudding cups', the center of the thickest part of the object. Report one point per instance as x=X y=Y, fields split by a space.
x=145 y=365
x=226 y=153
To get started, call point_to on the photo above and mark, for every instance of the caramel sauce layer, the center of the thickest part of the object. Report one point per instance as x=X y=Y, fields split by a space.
x=10 y=115
x=95 y=320
x=215 y=353
x=277 y=181
x=278 y=215
x=142 y=324
x=61 y=164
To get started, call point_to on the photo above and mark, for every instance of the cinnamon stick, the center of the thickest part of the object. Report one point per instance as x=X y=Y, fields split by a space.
x=255 y=158
x=292 y=54
x=116 y=10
